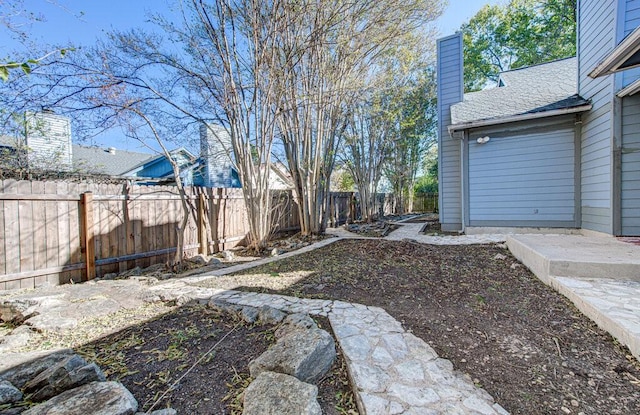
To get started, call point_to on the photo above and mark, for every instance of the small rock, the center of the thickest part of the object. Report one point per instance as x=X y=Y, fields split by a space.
x=166 y=411
x=515 y=265
x=293 y=322
x=67 y=374
x=275 y=252
x=213 y=261
x=134 y=272
x=270 y=315
x=154 y=268
x=306 y=354
x=228 y=255
x=277 y=393
x=110 y=276
x=24 y=372
x=199 y=259
x=96 y=398
x=500 y=257
x=9 y=393
x=183 y=300
x=223 y=306
x=249 y=314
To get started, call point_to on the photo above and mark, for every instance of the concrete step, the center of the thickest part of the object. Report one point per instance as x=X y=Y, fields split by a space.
x=576 y=256
x=601 y=276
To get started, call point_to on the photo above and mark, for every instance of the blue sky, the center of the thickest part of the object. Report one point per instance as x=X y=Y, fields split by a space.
x=81 y=22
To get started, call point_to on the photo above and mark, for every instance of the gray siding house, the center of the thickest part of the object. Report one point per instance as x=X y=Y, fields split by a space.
x=555 y=145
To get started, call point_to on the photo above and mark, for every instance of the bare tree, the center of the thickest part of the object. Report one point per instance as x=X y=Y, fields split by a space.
x=366 y=149
x=326 y=52
x=412 y=135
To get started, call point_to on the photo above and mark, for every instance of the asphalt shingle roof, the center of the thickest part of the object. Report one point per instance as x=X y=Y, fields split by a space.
x=99 y=160
x=544 y=87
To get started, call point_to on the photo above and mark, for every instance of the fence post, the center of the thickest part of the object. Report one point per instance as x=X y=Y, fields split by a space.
x=89 y=248
x=202 y=225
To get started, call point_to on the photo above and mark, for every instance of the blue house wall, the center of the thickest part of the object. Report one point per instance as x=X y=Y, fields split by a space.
x=450 y=91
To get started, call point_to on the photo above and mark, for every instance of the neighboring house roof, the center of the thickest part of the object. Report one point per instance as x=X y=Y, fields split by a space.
x=104 y=161
x=544 y=89
x=160 y=165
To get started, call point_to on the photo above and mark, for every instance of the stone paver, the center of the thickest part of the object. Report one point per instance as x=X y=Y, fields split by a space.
x=393 y=371
x=411 y=231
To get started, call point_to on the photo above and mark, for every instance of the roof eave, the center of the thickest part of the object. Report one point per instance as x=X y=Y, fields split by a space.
x=515 y=118
x=620 y=54
x=631 y=89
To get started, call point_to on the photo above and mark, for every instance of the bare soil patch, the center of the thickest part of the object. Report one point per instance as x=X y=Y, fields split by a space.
x=154 y=361
x=476 y=305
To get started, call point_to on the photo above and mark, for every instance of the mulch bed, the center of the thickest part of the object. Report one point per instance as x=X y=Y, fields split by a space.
x=154 y=361
x=476 y=305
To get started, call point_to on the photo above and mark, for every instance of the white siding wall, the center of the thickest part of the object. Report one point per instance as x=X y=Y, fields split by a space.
x=630 y=175
x=450 y=91
x=596 y=38
x=49 y=141
x=525 y=179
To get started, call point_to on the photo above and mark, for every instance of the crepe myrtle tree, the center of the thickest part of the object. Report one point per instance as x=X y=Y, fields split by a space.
x=413 y=134
x=326 y=51
x=373 y=134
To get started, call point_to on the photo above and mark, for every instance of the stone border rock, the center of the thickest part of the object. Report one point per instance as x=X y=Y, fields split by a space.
x=285 y=376
x=66 y=384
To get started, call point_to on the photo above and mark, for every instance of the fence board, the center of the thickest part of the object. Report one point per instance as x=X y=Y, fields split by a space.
x=63 y=220
x=39 y=252
x=75 y=253
x=25 y=220
x=12 y=231
x=47 y=227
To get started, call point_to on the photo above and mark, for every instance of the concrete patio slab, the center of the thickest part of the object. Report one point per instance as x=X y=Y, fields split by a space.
x=576 y=256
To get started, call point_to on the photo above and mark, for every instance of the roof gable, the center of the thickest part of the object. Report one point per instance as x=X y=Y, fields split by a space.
x=532 y=90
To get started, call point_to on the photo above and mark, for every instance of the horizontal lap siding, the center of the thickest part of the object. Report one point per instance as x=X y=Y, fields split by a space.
x=449 y=92
x=512 y=178
x=630 y=175
x=596 y=39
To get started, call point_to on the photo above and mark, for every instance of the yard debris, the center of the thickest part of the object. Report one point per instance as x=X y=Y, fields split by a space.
x=376 y=229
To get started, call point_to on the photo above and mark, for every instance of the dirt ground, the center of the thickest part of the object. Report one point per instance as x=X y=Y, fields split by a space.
x=195 y=360
x=477 y=306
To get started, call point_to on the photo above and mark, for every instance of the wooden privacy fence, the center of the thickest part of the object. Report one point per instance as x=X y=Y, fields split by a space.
x=57 y=232
x=425 y=202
